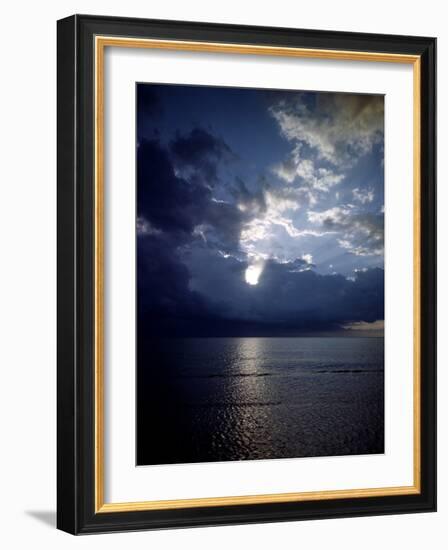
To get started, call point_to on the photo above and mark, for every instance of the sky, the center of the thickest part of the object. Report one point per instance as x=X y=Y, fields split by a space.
x=259 y=212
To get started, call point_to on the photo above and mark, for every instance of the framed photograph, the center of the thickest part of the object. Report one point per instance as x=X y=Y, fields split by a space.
x=246 y=274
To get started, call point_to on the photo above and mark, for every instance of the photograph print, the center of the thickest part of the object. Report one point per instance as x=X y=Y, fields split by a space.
x=260 y=274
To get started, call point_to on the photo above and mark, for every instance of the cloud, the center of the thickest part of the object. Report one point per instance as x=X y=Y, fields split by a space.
x=289 y=296
x=198 y=154
x=310 y=177
x=338 y=127
x=253 y=203
x=190 y=245
x=278 y=203
x=199 y=291
x=363 y=195
x=329 y=134
x=375 y=326
x=201 y=227
x=176 y=214
x=335 y=217
x=272 y=232
x=145 y=228
x=163 y=280
x=184 y=206
x=308 y=258
x=163 y=199
x=360 y=233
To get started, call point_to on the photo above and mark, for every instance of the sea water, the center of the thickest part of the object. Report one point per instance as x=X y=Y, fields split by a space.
x=218 y=399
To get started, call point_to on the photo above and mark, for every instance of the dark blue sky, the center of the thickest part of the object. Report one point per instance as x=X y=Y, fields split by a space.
x=259 y=211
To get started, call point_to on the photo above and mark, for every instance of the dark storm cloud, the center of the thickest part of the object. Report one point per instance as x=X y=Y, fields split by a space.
x=197 y=291
x=306 y=296
x=167 y=201
x=175 y=214
x=185 y=205
x=289 y=296
x=163 y=280
x=201 y=152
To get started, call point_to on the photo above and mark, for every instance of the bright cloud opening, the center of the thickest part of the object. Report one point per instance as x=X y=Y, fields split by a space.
x=253 y=273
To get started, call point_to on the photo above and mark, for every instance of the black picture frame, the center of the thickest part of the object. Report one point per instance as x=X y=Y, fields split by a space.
x=76 y=512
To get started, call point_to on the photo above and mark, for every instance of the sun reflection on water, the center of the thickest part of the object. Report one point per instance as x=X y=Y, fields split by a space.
x=252 y=391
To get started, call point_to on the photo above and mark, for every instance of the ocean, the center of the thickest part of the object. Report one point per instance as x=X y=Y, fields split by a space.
x=219 y=399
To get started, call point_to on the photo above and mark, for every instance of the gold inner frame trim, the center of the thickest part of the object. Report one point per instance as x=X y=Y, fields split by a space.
x=101 y=42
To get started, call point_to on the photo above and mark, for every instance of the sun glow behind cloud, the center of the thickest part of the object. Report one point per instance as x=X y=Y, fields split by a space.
x=252 y=274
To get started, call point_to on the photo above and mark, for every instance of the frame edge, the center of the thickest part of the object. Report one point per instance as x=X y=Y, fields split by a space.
x=67 y=462
x=74 y=515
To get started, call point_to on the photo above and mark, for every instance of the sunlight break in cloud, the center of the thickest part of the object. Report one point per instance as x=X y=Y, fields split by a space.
x=254 y=271
x=364 y=326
